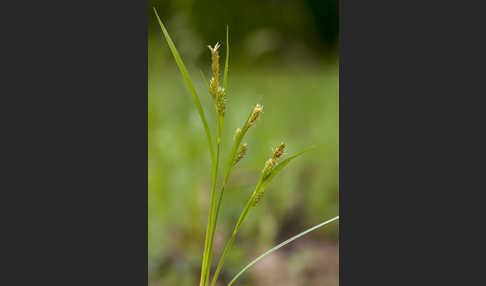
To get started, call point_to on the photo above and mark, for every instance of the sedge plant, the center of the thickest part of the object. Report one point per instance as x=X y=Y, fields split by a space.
x=271 y=167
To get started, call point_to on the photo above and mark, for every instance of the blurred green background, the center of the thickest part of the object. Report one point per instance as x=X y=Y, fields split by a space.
x=284 y=55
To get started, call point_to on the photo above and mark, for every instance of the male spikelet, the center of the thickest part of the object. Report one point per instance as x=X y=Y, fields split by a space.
x=218 y=93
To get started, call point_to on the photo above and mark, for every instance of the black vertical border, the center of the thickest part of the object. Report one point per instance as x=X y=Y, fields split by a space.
x=76 y=181
x=409 y=144
x=75 y=129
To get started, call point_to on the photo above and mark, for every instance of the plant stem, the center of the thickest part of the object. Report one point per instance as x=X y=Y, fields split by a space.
x=279 y=246
x=240 y=221
x=226 y=177
x=213 y=218
x=211 y=221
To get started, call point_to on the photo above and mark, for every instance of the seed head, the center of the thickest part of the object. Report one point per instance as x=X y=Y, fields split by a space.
x=221 y=101
x=270 y=163
x=241 y=153
x=268 y=167
x=258 y=197
x=277 y=152
x=255 y=114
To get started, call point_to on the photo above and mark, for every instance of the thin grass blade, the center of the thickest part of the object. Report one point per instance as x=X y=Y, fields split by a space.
x=225 y=76
x=279 y=246
x=188 y=80
x=281 y=165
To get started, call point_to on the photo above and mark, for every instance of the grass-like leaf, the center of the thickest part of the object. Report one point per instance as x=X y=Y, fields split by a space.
x=188 y=80
x=280 y=166
x=225 y=76
x=279 y=246
x=257 y=192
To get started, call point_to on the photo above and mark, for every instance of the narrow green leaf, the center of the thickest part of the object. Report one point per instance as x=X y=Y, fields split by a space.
x=225 y=76
x=279 y=246
x=258 y=190
x=185 y=74
x=281 y=165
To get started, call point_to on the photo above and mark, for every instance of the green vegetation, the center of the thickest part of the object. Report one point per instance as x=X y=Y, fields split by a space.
x=179 y=172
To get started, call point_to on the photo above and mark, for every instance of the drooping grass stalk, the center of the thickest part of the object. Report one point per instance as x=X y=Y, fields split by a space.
x=278 y=247
x=269 y=172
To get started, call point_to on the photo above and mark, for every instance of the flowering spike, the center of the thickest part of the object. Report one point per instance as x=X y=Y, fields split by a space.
x=255 y=114
x=277 y=152
x=270 y=163
x=241 y=153
x=214 y=83
x=221 y=101
x=218 y=93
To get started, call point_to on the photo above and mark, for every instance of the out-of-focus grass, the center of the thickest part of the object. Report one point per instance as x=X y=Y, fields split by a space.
x=300 y=108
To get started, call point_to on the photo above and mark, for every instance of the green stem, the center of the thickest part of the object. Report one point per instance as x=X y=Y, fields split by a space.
x=213 y=217
x=240 y=221
x=229 y=166
x=279 y=246
x=208 y=246
x=212 y=224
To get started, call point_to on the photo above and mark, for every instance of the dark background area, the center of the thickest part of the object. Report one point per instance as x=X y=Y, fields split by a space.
x=261 y=31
